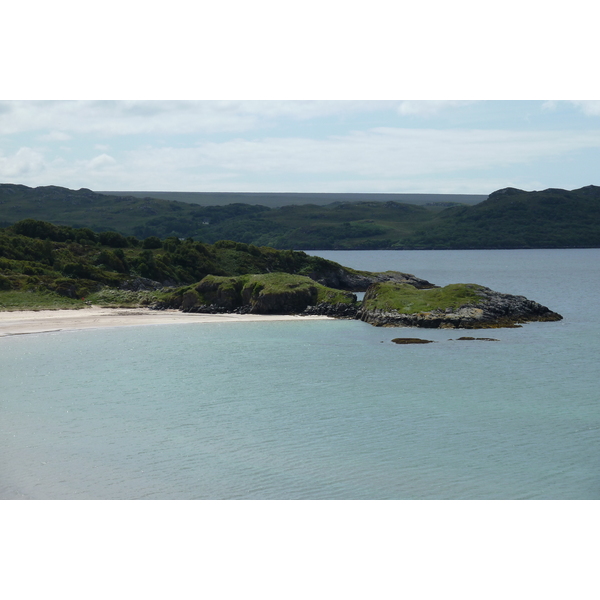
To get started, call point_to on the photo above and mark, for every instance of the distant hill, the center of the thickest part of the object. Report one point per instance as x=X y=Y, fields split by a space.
x=513 y=218
x=278 y=199
x=508 y=218
x=125 y=214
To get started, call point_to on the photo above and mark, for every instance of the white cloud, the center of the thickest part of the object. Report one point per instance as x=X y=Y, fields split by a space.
x=100 y=161
x=590 y=108
x=25 y=162
x=120 y=118
x=379 y=159
x=382 y=152
x=383 y=159
x=55 y=136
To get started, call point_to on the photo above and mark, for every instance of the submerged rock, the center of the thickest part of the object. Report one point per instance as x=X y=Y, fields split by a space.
x=478 y=338
x=411 y=341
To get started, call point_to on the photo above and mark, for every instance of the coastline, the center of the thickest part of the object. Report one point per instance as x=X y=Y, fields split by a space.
x=48 y=321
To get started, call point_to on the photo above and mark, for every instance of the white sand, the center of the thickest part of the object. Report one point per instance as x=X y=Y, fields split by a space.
x=41 y=321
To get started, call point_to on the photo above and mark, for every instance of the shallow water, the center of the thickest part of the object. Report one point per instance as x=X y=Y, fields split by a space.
x=318 y=409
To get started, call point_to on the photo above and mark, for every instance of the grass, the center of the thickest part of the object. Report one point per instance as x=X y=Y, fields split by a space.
x=407 y=299
x=29 y=300
x=249 y=289
x=278 y=283
x=108 y=298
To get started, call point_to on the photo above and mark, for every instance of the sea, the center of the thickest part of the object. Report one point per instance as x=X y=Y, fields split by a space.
x=319 y=409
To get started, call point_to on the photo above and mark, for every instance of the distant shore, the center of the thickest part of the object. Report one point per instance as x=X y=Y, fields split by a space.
x=46 y=321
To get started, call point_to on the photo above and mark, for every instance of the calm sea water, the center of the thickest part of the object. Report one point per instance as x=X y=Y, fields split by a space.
x=318 y=409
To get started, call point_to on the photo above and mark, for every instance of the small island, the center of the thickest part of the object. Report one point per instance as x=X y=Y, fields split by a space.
x=43 y=265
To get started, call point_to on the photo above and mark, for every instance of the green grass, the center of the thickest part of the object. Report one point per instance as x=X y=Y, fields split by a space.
x=249 y=289
x=278 y=283
x=407 y=299
x=108 y=298
x=28 y=300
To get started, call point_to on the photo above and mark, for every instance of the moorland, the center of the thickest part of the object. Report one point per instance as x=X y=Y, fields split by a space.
x=508 y=218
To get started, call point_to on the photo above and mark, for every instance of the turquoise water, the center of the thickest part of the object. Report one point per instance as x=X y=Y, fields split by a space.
x=318 y=409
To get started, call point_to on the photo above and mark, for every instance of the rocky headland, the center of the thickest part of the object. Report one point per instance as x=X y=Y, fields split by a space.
x=392 y=299
x=456 y=306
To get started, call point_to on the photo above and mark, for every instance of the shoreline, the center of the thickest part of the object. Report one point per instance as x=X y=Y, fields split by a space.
x=22 y=322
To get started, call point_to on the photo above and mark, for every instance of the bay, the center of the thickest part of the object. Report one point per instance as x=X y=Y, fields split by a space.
x=318 y=409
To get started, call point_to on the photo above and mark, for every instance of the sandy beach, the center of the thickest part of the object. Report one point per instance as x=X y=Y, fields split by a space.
x=45 y=321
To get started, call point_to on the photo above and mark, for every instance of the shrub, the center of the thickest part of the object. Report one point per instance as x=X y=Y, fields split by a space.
x=152 y=243
x=112 y=239
x=5 y=283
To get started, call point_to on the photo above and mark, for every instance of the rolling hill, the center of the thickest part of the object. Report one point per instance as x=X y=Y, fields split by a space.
x=508 y=218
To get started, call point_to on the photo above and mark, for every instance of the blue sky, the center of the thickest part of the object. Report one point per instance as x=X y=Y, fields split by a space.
x=301 y=146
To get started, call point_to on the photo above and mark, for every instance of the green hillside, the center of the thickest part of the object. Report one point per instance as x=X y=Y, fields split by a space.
x=278 y=199
x=129 y=215
x=509 y=218
x=48 y=266
x=512 y=218
x=304 y=226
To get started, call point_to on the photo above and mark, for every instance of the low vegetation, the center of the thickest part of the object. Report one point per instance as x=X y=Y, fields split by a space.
x=32 y=300
x=409 y=300
x=265 y=293
x=509 y=218
x=42 y=264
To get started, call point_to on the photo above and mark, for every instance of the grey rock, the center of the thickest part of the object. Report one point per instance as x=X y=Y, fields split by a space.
x=140 y=284
x=358 y=281
x=494 y=310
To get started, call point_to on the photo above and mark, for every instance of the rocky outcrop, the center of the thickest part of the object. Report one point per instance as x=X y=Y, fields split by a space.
x=224 y=292
x=392 y=301
x=359 y=281
x=269 y=293
x=292 y=301
x=491 y=310
x=338 y=310
x=141 y=284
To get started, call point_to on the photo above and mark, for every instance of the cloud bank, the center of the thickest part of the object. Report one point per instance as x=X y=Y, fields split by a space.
x=296 y=146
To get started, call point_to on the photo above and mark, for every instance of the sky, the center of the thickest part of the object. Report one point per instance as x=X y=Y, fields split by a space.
x=394 y=146
x=323 y=96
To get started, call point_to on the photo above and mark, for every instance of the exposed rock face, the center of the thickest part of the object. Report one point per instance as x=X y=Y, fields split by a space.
x=225 y=292
x=358 y=282
x=271 y=293
x=494 y=310
x=339 y=310
x=283 y=303
x=140 y=284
